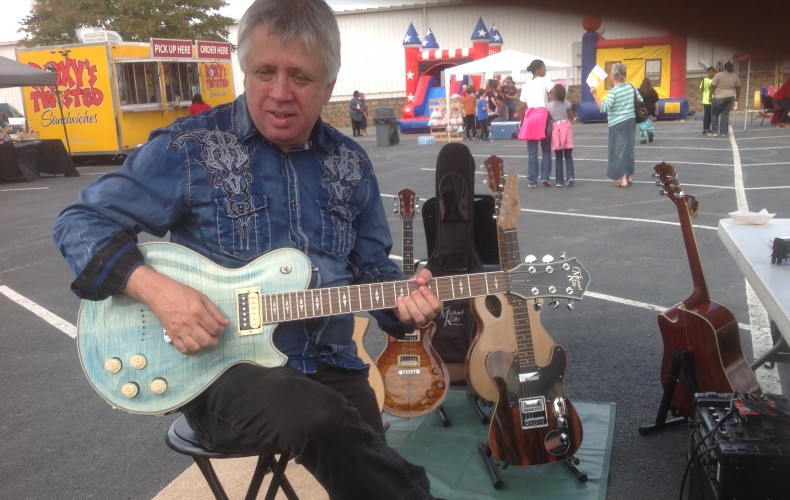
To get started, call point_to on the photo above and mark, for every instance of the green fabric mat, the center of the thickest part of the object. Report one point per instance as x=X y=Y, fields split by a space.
x=457 y=470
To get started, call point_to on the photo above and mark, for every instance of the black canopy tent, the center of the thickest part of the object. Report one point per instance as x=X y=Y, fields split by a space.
x=22 y=160
x=14 y=74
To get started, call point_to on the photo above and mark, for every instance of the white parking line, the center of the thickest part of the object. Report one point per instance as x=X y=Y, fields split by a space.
x=51 y=318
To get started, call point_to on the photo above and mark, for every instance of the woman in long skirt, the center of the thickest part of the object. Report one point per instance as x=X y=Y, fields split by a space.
x=619 y=107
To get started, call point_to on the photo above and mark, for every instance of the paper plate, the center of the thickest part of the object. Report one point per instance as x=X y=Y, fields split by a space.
x=753 y=218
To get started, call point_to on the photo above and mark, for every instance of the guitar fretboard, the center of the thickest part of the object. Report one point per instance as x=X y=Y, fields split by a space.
x=315 y=303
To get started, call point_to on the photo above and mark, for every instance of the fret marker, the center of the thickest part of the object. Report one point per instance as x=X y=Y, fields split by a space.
x=377 y=297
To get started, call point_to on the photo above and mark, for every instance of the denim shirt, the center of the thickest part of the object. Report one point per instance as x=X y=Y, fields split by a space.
x=221 y=189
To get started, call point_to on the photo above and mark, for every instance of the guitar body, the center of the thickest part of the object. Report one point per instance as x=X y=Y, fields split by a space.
x=533 y=422
x=117 y=329
x=416 y=380
x=710 y=333
x=495 y=333
x=374 y=376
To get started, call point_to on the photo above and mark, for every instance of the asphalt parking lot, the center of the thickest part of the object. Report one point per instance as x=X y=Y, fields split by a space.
x=61 y=440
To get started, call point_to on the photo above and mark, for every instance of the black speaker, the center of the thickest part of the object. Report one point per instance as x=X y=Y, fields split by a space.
x=743 y=456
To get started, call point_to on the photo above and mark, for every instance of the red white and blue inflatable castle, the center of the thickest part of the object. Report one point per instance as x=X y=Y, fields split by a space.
x=424 y=64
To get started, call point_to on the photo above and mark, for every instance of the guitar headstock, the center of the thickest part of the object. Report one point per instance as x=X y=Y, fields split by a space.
x=406 y=204
x=505 y=189
x=667 y=180
x=566 y=279
x=495 y=170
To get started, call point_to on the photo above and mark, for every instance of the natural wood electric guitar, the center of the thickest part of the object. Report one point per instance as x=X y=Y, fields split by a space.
x=698 y=325
x=416 y=379
x=533 y=421
x=374 y=377
x=497 y=324
x=130 y=361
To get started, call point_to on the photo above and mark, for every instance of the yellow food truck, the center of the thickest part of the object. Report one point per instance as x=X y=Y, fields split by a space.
x=110 y=95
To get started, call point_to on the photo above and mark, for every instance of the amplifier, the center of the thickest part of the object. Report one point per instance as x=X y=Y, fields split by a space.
x=746 y=457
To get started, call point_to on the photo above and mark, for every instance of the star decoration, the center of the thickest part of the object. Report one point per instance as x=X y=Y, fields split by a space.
x=410 y=75
x=410 y=97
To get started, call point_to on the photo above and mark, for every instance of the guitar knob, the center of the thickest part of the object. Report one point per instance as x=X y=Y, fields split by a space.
x=570 y=305
x=138 y=361
x=566 y=266
x=537 y=305
x=547 y=258
x=529 y=259
x=113 y=365
x=129 y=390
x=158 y=385
x=562 y=255
x=554 y=304
x=440 y=385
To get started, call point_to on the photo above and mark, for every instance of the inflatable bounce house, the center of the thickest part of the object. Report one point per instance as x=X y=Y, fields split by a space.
x=424 y=64
x=662 y=59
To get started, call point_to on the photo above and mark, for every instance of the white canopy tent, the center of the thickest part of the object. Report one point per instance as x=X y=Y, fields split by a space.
x=507 y=62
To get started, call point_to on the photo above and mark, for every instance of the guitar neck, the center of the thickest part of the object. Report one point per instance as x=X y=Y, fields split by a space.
x=510 y=257
x=408 y=247
x=700 y=292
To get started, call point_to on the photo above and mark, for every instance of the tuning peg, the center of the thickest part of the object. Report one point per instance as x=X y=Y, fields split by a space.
x=529 y=259
x=570 y=305
x=547 y=258
x=554 y=304
x=537 y=305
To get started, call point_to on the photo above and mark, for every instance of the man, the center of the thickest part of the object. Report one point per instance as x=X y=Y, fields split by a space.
x=232 y=183
x=510 y=93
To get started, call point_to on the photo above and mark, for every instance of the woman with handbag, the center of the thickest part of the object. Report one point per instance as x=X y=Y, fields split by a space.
x=650 y=98
x=536 y=126
x=619 y=107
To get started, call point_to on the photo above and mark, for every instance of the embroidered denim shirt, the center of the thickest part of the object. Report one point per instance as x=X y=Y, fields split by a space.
x=221 y=189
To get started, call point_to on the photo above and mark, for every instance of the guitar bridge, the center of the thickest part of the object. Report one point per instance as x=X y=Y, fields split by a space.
x=533 y=412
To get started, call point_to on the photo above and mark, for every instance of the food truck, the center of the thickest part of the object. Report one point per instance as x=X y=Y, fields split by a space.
x=110 y=95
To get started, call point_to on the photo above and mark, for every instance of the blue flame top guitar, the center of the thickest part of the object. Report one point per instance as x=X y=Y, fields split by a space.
x=131 y=363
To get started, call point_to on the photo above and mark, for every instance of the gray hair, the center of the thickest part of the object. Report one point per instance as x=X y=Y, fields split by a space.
x=309 y=22
x=618 y=72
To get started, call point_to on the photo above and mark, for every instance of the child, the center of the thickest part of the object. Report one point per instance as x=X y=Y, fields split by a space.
x=561 y=134
x=470 y=103
x=482 y=115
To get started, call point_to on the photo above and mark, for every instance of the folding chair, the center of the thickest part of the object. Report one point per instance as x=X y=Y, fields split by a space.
x=181 y=438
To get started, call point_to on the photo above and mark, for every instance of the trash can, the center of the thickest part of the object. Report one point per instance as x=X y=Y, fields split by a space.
x=386 y=127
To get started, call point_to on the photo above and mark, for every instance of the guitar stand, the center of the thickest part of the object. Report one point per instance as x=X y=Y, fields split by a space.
x=681 y=360
x=476 y=402
x=443 y=416
x=491 y=464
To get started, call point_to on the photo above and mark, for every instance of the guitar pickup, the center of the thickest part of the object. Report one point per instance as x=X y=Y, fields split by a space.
x=533 y=412
x=248 y=311
x=409 y=361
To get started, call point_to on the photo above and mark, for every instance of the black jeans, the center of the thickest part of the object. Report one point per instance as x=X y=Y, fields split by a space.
x=329 y=422
x=706 y=118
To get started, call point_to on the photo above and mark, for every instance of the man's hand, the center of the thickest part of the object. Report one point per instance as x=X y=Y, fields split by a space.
x=189 y=317
x=422 y=305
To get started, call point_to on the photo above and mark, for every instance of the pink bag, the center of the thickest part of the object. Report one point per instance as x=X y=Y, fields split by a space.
x=533 y=127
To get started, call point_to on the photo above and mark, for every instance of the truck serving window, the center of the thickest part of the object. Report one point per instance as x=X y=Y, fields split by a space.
x=138 y=82
x=180 y=80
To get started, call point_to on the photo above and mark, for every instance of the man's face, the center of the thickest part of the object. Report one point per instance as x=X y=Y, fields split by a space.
x=286 y=88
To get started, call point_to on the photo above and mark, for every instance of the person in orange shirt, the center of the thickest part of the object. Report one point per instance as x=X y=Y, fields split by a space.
x=470 y=108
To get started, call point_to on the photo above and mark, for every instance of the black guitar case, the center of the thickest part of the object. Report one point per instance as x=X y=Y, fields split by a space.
x=459 y=226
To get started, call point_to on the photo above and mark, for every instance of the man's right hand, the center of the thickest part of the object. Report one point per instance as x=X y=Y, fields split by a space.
x=189 y=317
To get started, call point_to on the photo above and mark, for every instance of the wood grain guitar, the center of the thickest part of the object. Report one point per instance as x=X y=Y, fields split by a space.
x=698 y=325
x=533 y=421
x=130 y=361
x=374 y=377
x=416 y=380
x=498 y=322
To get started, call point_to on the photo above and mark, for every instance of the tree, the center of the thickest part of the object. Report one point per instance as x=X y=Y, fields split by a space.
x=54 y=22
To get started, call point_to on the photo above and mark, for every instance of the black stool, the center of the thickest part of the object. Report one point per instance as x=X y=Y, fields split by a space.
x=181 y=438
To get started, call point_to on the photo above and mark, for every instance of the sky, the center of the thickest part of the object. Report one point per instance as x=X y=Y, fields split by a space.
x=16 y=10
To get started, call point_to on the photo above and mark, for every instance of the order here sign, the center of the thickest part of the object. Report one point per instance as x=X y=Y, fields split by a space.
x=213 y=50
